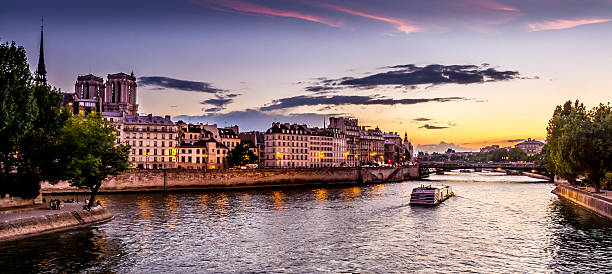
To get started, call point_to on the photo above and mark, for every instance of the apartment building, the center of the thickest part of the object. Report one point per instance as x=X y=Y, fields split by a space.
x=286 y=145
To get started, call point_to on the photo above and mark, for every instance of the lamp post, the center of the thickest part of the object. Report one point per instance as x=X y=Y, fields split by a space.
x=279 y=156
x=205 y=156
x=147 y=160
x=224 y=160
x=320 y=156
x=346 y=154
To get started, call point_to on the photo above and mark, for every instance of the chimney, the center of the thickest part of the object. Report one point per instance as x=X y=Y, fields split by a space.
x=168 y=117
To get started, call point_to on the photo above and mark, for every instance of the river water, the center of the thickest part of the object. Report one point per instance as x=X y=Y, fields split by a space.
x=496 y=223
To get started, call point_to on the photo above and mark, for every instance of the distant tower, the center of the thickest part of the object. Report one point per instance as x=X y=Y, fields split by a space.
x=41 y=72
x=120 y=94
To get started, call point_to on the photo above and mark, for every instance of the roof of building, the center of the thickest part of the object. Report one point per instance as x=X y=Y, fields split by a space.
x=121 y=75
x=89 y=77
x=227 y=133
x=148 y=120
x=321 y=132
x=292 y=128
x=530 y=142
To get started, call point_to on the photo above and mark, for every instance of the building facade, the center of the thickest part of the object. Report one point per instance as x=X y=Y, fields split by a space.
x=321 y=146
x=154 y=140
x=530 y=146
x=286 y=145
x=350 y=129
x=371 y=146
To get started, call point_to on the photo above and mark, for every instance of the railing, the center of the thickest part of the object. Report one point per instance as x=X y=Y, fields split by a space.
x=457 y=165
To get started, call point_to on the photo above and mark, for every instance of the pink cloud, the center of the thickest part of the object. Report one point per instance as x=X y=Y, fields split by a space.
x=233 y=5
x=399 y=24
x=490 y=5
x=564 y=24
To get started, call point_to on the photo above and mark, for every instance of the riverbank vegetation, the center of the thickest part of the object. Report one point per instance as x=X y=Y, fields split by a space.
x=41 y=141
x=579 y=144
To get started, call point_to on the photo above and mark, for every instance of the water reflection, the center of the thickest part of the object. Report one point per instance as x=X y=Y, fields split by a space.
x=65 y=252
x=351 y=193
x=377 y=191
x=320 y=194
x=492 y=226
x=222 y=204
x=277 y=199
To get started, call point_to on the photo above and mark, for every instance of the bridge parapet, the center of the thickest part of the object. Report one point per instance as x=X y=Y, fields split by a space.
x=467 y=165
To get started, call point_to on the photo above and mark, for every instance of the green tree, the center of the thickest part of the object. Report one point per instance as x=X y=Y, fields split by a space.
x=241 y=156
x=517 y=154
x=560 y=143
x=91 y=152
x=497 y=155
x=579 y=143
x=30 y=121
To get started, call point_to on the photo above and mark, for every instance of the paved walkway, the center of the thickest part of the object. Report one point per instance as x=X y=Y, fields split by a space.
x=66 y=207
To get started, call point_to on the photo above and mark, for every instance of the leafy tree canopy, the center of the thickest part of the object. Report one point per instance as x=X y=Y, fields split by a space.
x=30 y=121
x=92 y=153
x=241 y=156
x=579 y=142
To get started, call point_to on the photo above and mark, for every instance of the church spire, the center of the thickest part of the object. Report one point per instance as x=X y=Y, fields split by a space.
x=41 y=72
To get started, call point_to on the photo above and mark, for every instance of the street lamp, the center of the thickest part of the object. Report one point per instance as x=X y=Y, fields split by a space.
x=279 y=156
x=224 y=160
x=205 y=156
x=147 y=161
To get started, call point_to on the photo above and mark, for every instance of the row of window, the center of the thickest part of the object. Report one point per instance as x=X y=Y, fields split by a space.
x=189 y=159
x=288 y=144
x=163 y=143
x=283 y=137
x=204 y=151
x=148 y=136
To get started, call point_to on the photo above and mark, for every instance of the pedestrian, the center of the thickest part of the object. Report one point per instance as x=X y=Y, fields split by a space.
x=57 y=203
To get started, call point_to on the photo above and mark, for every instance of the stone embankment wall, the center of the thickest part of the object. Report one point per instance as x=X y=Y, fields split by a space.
x=31 y=226
x=593 y=202
x=7 y=201
x=180 y=179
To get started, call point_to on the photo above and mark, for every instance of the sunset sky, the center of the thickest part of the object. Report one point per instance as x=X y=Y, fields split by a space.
x=467 y=72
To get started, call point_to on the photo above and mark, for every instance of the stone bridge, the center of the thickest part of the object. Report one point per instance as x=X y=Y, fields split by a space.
x=429 y=167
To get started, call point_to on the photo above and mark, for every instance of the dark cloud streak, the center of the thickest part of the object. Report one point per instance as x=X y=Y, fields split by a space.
x=428 y=126
x=184 y=85
x=411 y=75
x=305 y=100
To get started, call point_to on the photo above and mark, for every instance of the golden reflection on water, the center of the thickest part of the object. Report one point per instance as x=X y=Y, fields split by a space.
x=320 y=194
x=204 y=202
x=245 y=199
x=351 y=193
x=99 y=242
x=222 y=204
x=144 y=207
x=377 y=191
x=277 y=198
x=171 y=205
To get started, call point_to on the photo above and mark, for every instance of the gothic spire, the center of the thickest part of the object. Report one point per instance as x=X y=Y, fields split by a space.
x=41 y=72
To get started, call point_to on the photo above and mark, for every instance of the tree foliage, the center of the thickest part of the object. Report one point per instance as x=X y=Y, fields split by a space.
x=92 y=153
x=241 y=156
x=579 y=143
x=30 y=121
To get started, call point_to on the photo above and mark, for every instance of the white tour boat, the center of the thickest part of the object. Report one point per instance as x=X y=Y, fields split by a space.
x=430 y=195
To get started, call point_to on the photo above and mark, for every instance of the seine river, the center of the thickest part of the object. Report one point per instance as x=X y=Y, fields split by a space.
x=496 y=223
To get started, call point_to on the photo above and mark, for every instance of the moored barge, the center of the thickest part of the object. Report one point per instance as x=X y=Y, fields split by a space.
x=430 y=195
